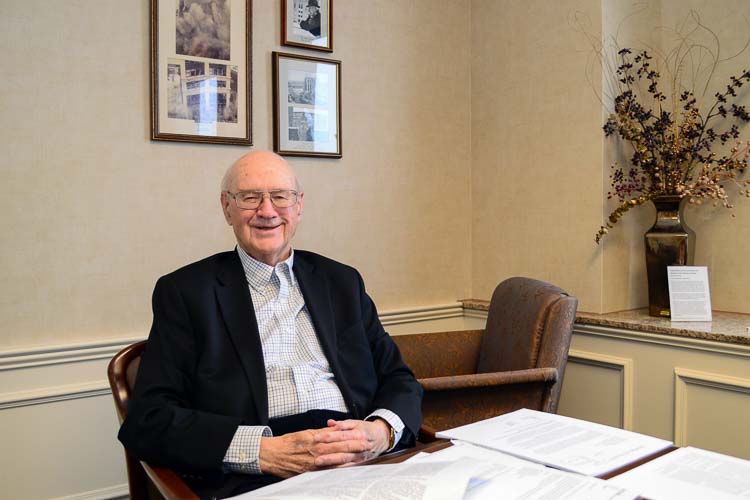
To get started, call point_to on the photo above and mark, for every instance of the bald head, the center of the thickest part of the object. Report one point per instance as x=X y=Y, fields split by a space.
x=253 y=164
x=264 y=230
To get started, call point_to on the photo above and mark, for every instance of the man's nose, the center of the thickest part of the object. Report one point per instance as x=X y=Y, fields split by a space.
x=266 y=208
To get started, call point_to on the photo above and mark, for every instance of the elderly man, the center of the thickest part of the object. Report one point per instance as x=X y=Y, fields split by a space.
x=264 y=362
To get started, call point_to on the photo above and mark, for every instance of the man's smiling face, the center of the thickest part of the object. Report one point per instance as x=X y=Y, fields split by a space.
x=264 y=233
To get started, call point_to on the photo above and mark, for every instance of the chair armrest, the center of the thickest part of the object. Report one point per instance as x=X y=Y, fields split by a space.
x=489 y=379
x=169 y=483
x=426 y=434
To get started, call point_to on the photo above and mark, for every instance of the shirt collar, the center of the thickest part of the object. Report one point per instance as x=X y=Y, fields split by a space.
x=257 y=273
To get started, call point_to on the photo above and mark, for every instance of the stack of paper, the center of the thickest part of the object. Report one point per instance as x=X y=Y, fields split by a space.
x=503 y=476
x=444 y=480
x=561 y=442
x=690 y=473
x=460 y=472
x=506 y=457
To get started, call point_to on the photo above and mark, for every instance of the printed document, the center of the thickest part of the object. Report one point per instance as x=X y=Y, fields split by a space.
x=687 y=474
x=689 y=296
x=560 y=442
x=507 y=477
x=407 y=481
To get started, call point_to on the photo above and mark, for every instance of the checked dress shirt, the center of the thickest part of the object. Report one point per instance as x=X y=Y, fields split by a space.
x=298 y=375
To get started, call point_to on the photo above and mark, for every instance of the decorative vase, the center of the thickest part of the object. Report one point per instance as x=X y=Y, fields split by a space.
x=668 y=243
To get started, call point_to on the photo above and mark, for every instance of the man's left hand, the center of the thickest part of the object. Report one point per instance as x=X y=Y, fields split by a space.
x=376 y=432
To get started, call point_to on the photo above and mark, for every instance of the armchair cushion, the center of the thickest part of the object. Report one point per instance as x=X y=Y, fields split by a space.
x=441 y=354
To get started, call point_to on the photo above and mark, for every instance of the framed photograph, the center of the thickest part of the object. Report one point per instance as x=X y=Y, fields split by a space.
x=307 y=24
x=201 y=86
x=306 y=106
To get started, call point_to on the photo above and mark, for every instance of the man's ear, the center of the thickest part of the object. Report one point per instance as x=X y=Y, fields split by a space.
x=300 y=203
x=225 y=208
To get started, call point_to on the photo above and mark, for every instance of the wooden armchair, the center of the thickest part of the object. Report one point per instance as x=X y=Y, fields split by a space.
x=144 y=481
x=517 y=361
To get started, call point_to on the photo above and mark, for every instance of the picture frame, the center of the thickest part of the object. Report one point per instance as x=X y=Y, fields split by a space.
x=307 y=24
x=306 y=106
x=201 y=71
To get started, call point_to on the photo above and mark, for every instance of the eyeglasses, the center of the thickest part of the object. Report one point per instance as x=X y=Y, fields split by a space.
x=251 y=200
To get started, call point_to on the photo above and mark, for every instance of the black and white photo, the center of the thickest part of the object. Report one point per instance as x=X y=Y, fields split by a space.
x=201 y=83
x=307 y=106
x=203 y=28
x=207 y=93
x=307 y=24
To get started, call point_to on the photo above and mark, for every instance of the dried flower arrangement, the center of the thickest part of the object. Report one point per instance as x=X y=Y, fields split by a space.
x=676 y=135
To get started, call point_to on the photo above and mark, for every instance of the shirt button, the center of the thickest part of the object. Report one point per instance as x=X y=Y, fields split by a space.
x=243 y=455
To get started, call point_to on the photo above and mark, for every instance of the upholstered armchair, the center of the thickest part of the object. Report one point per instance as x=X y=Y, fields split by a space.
x=517 y=361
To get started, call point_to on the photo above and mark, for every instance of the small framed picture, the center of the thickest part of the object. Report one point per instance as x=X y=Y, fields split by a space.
x=201 y=84
x=307 y=24
x=306 y=106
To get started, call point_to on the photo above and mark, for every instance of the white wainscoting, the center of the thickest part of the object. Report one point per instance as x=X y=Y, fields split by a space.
x=691 y=391
x=58 y=425
x=603 y=378
x=707 y=402
x=57 y=420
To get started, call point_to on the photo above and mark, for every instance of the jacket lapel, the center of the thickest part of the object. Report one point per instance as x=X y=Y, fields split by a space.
x=314 y=286
x=236 y=307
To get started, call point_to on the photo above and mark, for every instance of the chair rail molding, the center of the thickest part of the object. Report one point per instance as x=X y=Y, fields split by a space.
x=116 y=492
x=53 y=394
x=32 y=357
x=422 y=313
x=694 y=344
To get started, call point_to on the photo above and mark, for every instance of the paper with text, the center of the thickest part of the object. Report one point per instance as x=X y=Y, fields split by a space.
x=507 y=477
x=404 y=481
x=690 y=473
x=689 y=295
x=561 y=442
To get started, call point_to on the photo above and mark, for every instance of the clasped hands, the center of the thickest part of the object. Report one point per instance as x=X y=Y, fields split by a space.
x=343 y=442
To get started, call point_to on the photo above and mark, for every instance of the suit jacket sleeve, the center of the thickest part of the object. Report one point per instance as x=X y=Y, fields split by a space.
x=161 y=427
x=397 y=389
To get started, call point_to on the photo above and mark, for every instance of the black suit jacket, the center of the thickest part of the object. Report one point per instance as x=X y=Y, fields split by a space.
x=202 y=373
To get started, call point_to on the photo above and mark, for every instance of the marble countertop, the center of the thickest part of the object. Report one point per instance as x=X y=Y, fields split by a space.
x=725 y=327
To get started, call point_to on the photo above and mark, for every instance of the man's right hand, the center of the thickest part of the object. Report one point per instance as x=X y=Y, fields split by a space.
x=296 y=452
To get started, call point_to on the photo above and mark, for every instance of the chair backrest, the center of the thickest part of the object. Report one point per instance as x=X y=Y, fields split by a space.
x=121 y=372
x=529 y=325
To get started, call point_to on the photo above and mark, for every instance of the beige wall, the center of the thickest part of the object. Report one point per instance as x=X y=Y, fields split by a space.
x=472 y=152
x=723 y=240
x=93 y=212
x=536 y=152
x=540 y=163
